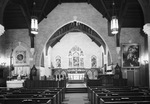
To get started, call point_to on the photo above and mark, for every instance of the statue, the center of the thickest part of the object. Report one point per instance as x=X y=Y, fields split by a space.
x=118 y=73
x=33 y=72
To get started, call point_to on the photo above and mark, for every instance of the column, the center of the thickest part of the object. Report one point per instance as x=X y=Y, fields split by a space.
x=146 y=29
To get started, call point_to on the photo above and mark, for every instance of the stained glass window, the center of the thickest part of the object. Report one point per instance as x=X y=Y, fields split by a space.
x=58 y=61
x=93 y=62
x=76 y=59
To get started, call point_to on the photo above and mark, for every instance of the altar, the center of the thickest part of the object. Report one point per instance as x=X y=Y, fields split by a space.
x=76 y=76
x=14 y=83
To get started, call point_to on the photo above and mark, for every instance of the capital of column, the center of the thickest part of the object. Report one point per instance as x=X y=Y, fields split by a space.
x=146 y=29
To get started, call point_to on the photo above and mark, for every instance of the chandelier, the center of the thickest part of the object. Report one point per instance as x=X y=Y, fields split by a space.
x=2 y=30
x=34 y=25
x=34 y=21
x=114 y=21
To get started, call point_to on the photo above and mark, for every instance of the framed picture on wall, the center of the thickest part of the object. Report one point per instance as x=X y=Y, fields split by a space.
x=130 y=55
x=20 y=57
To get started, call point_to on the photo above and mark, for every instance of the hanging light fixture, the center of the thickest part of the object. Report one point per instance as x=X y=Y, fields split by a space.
x=2 y=30
x=114 y=21
x=34 y=25
x=34 y=21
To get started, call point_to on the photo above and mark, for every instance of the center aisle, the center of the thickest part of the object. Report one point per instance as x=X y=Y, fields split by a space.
x=76 y=98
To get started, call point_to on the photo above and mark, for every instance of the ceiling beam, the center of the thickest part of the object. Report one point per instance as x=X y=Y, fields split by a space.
x=26 y=12
x=42 y=11
x=123 y=10
x=104 y=6
x=59 y=1
x=3 y=4
x=25 y=16
x=88 y=1
x=145 y=5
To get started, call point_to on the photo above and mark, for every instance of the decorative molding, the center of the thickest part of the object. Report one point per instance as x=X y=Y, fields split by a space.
x=146 y=29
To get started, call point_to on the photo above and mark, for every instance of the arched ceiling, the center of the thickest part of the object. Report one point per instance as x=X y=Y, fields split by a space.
x=75 y=27
x=17 y=13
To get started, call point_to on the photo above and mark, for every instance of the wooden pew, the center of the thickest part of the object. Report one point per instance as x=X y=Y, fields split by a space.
x=52 y=97
x=100 y=95
x=60 y=92
x=94 y=92
x=44 y=83
x=25 y=101
x=37 y=93
x=125 y=100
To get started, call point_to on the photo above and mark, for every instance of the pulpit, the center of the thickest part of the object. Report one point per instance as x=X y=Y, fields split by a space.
x=106 y=79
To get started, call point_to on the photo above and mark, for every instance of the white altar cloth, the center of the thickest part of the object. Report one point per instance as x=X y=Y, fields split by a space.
x=76 y=76
x=15 y=83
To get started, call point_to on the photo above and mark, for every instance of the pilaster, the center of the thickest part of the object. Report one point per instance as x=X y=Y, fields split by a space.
x=146 y=29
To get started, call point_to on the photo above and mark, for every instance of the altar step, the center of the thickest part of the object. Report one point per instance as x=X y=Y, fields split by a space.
x=75 y=81
x=76 y=90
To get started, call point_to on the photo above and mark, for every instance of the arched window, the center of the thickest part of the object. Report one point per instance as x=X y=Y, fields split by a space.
x=58 y=62
x=76 y=59
x=93 y=62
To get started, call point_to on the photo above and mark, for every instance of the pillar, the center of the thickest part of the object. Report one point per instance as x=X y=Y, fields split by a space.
x=146 y=29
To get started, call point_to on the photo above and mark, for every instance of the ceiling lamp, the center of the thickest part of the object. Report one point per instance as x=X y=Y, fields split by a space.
x=34 y=21
x=114 y=22
x=34 y=25
x=2 y=30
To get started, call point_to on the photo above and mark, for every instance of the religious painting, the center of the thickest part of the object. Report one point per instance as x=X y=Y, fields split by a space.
x=93 y=62
x=58 y=61
x=21 y=57
x=130 y=55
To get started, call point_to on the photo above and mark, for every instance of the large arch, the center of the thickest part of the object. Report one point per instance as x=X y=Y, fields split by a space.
x=75 y=26
x=72 y=13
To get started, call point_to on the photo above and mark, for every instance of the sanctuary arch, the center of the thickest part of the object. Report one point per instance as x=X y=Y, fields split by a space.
x=76 y=69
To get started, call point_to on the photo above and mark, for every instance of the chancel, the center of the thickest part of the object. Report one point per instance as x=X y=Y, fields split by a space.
x=75 y=51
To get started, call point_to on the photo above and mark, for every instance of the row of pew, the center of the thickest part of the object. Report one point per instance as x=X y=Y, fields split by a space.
x=118 y=95
x=47 y=95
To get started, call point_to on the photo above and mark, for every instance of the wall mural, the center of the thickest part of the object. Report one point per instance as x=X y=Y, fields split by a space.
x=76 y=59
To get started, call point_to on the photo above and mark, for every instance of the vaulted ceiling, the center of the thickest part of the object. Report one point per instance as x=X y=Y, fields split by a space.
x=17 y=13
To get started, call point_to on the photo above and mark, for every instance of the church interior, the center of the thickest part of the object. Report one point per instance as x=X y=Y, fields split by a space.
x=74 y=51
